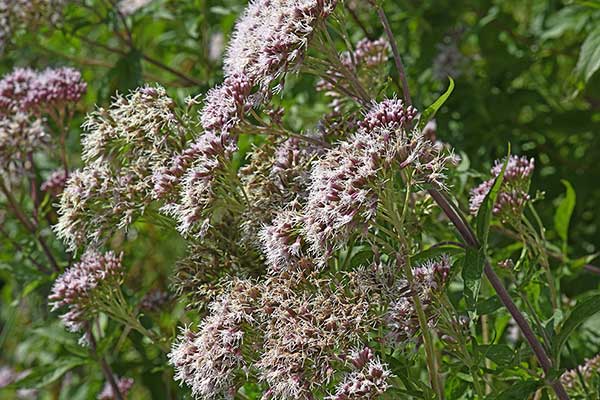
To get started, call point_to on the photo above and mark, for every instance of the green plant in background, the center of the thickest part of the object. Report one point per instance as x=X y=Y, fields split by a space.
x=271 y=201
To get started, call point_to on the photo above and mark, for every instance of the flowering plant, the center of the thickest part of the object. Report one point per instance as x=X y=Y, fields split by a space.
x=219 y=245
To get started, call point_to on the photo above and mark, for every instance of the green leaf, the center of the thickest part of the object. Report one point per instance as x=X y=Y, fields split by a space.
x=589 y=55
x=471 y=274
x=562 y=217
x=484 y=215
x=489 y=305
x=519 y=391
x=430 y=111
x=46 y=374
x=501 y=354
x=580 y=314
x=581 y=261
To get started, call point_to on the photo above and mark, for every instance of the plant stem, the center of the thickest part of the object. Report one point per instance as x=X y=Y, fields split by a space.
x=108 y=374
x=396 y=53
x=469 y=237
x=14 y=205
x=427 y=339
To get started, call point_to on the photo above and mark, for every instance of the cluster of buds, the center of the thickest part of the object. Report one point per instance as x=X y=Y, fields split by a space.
x=226 y=104
x=281 y=241
x=31 y=91
x=80 y=287
x=197 y=190
x=513 y=195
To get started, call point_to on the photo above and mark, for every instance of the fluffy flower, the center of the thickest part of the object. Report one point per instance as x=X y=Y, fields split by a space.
x=306 y=331
x=200 y=184
x=367 y=381
x=226 y=104
x=209 y=359
x=276 y=178
x=123 y=384
x=76 y=289
x=281 y=241
x=272 y=35
x=123 y=147
x=513 y=195
x=344 y=184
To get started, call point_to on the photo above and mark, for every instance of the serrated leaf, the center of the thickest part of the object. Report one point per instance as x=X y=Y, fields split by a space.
x=430 y=111
x=519 y=391
x=562 y=216
x=46 y=374
x=589 y=55
x=579 y=315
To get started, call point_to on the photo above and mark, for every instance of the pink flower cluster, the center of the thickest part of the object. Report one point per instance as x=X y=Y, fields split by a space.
x=367 y=381
x=513 y=195
x=76 y=288
x=27 y=90
x=343 y=195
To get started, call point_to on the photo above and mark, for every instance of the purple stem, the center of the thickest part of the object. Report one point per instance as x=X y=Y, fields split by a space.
x=469 y=237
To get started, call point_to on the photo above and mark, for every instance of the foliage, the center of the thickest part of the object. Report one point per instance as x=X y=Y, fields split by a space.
x=230 y=200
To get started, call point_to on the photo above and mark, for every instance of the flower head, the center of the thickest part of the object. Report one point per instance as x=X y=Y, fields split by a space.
x=209 y=359
x=281 y=241
x=428 y=279
x=345 y=182
x=76 y=289
x=571 y=378
x=513 y=194
x=123 y=147
x=199 y=185
x=272 y=35
x=226 y=104
x=368 y=381
x=27 y=90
